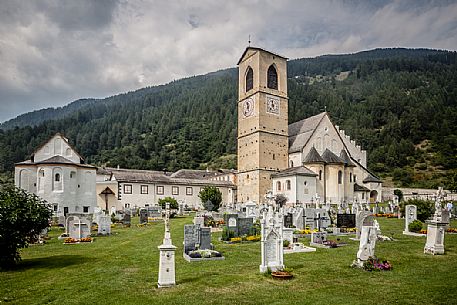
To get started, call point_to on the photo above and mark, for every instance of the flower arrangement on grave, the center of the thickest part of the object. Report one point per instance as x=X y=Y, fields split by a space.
x=449 y=230
x=86 y=240
x=70 y=240
x=236 y=239
x=305 y=231
x=283 y=274
x=253 y=238
x=423 y=231
x=204 y=254
x=386 y=215
x=377 y=264
x=331 y=243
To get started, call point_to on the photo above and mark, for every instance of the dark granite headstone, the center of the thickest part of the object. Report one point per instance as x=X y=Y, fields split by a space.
x=205 y=238
x=245 y=225
x=127 y=218
x=288 y=221
x=191 y=237
x=143 y=216
x=345 y=220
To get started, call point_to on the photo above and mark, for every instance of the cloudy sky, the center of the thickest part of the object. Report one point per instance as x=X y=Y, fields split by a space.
x=54 y=52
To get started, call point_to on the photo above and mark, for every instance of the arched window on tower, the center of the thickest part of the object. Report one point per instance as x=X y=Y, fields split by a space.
x=278 y=186
x=272 y=78
x=340 y=177
x=288 y=185
x=249 y=79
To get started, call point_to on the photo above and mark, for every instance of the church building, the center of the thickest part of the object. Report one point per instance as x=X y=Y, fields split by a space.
x=58 y=174
x=308 y=160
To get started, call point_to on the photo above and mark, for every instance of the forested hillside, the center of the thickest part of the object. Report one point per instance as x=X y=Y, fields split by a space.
x=399 y=104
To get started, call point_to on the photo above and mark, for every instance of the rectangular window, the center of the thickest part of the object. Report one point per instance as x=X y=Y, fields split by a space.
x=189 y=191
x=175 y=190
x=55 y=207
x=85 y=209
x=363 y=195
x=127 y=188
x=144 y=189
x=159 y=190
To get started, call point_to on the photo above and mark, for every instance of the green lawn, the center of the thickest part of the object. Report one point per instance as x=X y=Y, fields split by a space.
x=123 y=269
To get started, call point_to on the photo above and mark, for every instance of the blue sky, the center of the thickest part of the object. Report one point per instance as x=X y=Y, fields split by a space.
x=54 y=52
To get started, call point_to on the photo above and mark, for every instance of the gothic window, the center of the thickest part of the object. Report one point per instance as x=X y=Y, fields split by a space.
x=278 y=186
x=57 y=177
x=249 y=79
x=272 y=78
x=288 y=185
x=340 y=177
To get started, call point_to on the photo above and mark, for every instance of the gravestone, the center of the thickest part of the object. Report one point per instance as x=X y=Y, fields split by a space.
x=251 y=209
x=298 y=219
x=199 y=220
x=272 y=252
x=363 y=218
x=104 y=225
x=345 y=220
x=318 y=238
x=205 y=238
x=155 y=212
x=322 y=219
x=410 y=216
x=191 y=237
x=127 y=218
x=367 y=245
x=112 y=211
x=245 y=226
x=288 y=222
x=436 y=227
x=288 y=234
x=61 y=221
x=309 y=215
x=143 y=215
x=231 y=221
x=79 y=228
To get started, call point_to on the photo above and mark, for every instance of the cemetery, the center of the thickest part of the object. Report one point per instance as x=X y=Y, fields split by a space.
x=146 y=257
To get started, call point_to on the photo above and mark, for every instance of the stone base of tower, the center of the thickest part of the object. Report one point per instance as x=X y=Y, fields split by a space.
x=253 y=185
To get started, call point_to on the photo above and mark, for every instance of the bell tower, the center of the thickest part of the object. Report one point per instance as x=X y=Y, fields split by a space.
x=262 y=122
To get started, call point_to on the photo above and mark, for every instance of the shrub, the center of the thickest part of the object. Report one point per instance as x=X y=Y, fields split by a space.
x=22 y=217
x=172 y=201
x=415 y=226
x=286 y=243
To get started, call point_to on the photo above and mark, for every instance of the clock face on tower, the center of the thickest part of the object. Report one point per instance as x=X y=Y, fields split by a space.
x=248 y=107
x=272 y=105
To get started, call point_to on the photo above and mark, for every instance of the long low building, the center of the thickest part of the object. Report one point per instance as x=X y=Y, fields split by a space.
x=129 y=188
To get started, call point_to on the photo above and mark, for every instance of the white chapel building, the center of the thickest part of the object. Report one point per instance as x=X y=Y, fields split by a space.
x=58 y=174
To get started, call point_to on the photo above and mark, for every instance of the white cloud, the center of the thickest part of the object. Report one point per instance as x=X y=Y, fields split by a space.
x=52 y=52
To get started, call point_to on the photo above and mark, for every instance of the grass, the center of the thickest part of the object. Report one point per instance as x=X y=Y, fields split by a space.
x=123 y=269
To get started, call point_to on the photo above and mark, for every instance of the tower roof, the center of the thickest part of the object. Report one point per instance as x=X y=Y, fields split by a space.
x=313 y=157
x=257 y=49
x=345 y=157
x=331 y=158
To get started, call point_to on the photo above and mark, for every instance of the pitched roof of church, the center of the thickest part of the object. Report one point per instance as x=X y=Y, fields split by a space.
x=300 y=132
x=295 y=171
x=55 y=160
x=371 y=178
x=360 y=188
x=257 y=49
x=331 y=158
x=347 y=160
x=313 y=157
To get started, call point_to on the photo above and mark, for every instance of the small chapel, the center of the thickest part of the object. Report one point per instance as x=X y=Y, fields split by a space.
x=309 y=160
